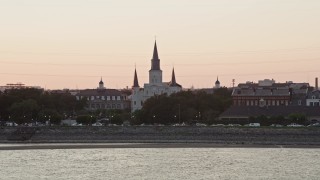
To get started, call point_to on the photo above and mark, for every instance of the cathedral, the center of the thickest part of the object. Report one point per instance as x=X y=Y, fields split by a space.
x=155 y=85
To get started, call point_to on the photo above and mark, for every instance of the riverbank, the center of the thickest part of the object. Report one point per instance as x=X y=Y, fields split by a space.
x=165 y=135
x=51 y=146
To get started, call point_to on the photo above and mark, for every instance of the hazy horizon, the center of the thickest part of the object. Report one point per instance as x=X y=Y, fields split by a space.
x=72 y=43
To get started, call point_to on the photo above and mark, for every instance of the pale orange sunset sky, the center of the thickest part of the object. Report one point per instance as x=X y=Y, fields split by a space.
x=72 y=43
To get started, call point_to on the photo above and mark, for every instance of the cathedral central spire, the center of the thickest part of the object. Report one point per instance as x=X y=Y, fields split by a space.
x=155 y=61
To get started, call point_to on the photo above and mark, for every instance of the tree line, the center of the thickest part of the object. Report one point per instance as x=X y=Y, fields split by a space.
x=183 y=107
x=30 y=105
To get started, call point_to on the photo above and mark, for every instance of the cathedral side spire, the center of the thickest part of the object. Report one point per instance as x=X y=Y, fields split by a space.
x=135 y=81
x=173 y=78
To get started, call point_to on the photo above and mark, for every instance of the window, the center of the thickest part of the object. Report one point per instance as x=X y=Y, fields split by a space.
x=134 y=102
x=313 y=97
x=102 y=97
x=118 y=98
x=108 y=98
x=92 y=98
x=113 y=98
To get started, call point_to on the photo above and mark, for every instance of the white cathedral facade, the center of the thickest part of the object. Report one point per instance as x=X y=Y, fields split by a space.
x=155 y=86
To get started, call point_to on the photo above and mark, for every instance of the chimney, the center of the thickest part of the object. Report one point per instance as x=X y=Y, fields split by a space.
x=316 y=86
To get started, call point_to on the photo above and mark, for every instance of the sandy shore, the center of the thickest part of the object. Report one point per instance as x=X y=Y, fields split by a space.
x=143 y=145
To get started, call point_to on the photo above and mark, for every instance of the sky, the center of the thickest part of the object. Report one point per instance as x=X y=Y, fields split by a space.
x=73 y=43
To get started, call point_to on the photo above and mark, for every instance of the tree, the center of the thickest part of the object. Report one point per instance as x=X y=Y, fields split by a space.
x=24 y=111
x=186 y=106
x=116 y=119
x=86 y=119
x=297 y=118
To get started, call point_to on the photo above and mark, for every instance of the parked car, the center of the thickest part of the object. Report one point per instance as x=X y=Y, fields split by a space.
x=200 y=124
x=294 y=125
x=234 y=125
x=217 y=125
x=314 y=125
x=254 y=125
x=9 y=123
x=76 y=124
x=97 y=124
x=276 y=125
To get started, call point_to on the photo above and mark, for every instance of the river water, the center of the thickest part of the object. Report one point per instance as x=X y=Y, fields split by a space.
x=161 y=163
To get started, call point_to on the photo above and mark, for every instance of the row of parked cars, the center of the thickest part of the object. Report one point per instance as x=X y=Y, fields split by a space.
x=317 y=124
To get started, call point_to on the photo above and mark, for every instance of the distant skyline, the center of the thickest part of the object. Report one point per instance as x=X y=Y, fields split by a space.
x=72 y=43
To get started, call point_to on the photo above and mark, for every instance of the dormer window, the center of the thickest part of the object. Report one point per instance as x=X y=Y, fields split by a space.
x=313 y=97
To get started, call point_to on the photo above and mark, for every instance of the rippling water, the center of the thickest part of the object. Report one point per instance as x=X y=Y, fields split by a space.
x=161 y=163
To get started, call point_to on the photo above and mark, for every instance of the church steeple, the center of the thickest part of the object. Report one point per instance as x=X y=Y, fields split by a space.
x=101 y=84
x=155 y=61
x=135 y=81
x=155 y=51
x=173 y=82
x=173 y=78
x=217 y=84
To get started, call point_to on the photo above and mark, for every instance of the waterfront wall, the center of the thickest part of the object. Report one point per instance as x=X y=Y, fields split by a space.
x=162 y=134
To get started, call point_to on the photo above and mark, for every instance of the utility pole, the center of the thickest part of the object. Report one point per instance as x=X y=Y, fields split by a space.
x=179 y=113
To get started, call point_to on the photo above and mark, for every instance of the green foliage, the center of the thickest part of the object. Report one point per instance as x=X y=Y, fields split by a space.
x=24 y=111
x=185 y=106
x=297 y=118
x=136 y=117
x=116 y=119
x=26 y=105
x=86 y=119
